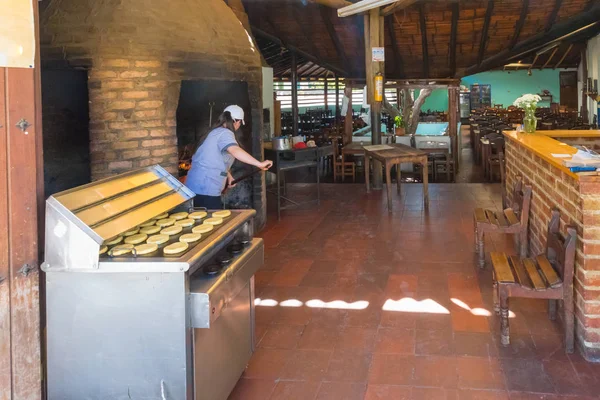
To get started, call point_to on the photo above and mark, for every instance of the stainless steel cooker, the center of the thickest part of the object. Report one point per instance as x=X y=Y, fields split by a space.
x=146 y=327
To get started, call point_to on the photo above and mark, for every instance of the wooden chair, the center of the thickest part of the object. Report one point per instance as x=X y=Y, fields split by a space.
x=445 y=166
x=340 y=166
x=547 y=276
x=503 y=179
x=493 y=166
x=512 y=220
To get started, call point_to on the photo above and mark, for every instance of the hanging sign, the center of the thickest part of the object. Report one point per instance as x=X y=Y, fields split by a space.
x=17 y=34
x=378 y=54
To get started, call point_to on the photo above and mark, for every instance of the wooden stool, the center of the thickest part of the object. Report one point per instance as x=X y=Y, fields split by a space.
x=548 y=276
x=511 y=220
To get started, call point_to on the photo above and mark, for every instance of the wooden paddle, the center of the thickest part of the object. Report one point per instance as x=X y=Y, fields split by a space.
x=238 y=180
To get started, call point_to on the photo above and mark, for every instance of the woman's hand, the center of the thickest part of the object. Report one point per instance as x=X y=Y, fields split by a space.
x=244 y=157
x=230 y=180
x=265 y=165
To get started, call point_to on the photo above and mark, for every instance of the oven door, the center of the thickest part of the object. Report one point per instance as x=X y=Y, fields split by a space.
x=224 y=347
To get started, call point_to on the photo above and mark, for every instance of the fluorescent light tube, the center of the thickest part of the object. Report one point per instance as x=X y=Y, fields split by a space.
x=363 y=6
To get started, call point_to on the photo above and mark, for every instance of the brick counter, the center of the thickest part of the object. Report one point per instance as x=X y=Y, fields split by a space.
x=578 y=198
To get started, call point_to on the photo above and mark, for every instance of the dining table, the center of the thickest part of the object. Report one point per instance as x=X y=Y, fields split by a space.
x=391 y=155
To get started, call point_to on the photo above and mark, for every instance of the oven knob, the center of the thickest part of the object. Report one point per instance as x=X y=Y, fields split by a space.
x=235 y=248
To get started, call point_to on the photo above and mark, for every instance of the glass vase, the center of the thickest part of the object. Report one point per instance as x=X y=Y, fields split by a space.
x=529 y=121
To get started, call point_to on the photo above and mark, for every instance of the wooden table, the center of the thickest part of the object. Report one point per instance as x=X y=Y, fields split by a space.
x=395 y=154
x=354 y=149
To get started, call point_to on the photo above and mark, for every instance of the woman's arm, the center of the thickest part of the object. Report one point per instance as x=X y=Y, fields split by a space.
x=243 y=156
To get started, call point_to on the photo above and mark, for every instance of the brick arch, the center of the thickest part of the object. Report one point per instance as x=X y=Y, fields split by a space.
x=136 y=54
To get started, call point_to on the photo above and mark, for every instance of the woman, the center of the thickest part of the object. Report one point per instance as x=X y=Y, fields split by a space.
x=215 y=153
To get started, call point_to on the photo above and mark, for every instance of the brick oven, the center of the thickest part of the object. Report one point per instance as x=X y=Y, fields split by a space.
x=136 y=54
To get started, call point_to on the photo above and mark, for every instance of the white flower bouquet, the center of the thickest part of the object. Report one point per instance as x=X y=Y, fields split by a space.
x=527 y=101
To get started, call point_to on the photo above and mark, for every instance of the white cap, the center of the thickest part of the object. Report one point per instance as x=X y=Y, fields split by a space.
x=236 y=113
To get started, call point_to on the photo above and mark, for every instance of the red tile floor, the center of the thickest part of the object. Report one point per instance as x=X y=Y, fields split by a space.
x=355 y=303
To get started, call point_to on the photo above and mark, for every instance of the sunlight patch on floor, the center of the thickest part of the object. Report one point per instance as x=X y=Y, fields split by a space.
x=315 y=303
x=411 y=305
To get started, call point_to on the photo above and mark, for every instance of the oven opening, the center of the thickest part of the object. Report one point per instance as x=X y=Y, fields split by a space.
x=65 y=119
x=200 y=104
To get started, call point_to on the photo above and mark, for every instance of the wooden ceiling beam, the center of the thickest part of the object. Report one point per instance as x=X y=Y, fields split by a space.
x=484 y=32
x=453 y=34
x=423 y=26
x=533 y=62
x=418 y=86
x=564 y=56
x=398 y=64
x=553 y=15
x=550 y=58
x=399 y=5
x=309 y=72
x=339 y=48
x=305 y=67
x=520 y=23
x=575 y=28
x=300 y=24
x=302 y=53
x=589 y=5
x=330 y=3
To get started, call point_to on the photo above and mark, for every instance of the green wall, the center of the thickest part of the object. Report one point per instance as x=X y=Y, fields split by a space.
x=507 y=86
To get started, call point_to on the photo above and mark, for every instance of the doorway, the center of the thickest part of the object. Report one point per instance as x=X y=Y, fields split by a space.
x=568 y=89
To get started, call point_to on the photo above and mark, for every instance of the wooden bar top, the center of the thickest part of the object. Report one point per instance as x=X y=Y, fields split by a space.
x=589 y=133
x=544 y=146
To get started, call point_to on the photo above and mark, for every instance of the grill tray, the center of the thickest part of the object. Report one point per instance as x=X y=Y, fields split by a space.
x=173 y=239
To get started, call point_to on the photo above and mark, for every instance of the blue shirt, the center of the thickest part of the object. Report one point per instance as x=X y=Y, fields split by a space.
x=211 y=162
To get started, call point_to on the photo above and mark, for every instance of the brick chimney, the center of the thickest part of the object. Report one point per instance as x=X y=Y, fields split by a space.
x=132 y=116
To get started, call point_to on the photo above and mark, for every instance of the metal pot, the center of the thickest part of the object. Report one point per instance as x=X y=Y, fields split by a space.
x=282 y=143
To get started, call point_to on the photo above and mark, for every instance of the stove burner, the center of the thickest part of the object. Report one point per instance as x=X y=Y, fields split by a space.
x=224 y=259
x=212 y=269
x=235 y=248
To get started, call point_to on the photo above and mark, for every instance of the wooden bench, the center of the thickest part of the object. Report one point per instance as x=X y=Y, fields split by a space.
x=547 y=276
x=511 y=220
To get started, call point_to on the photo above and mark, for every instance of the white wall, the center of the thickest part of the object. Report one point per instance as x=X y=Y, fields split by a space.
x=593 y=64
x=268 y=94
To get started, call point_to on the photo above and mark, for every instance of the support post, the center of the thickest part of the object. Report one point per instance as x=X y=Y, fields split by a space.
x=326 y=93
x=294 y=95
x=337 y=105
x=348 y=119
x=373 y=37
x=453 y=100
x=21 y=181
x=584 y=78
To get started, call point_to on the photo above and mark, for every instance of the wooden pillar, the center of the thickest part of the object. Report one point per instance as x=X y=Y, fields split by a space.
x=276 y=116
x=294 y=95
x=373 y=37
x=326 y=91
x=337 y=105
x=453 y=101
x=348 y=119
x=20 y=192
x=584 y=78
